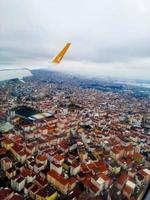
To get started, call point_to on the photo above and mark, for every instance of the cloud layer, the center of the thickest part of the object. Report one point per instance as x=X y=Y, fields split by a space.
x=109 y=37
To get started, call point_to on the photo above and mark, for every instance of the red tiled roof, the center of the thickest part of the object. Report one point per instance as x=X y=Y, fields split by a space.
x=84 y=168
x=41 y=157
x=122 y=178
x=58 y=177
x=35 y=188
x=2 y=150
x=143 y=173
x=101 y=166
x=16 y=138
x=30 y=146
x=26 y=172
x=41 y=181
x=94 y=188
x=4 y=193
x=51 y=129
x=128 y=161
x=118 y=148
x=7 y=141
x=128 y=148
x=87 y=182
x=75 y=164
x=16 y=197
x=59 y=157
x=17 y=148
x=104 y=177
x=72 y=181
x=128 y=189
x=92 y=166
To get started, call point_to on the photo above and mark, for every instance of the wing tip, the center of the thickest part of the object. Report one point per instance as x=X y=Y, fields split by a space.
x=57 y=59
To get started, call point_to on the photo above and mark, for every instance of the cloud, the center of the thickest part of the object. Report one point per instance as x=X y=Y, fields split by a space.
x=111 y=33
x=132 y=69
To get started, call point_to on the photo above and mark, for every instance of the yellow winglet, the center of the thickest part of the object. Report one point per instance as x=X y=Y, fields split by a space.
x=61 y=54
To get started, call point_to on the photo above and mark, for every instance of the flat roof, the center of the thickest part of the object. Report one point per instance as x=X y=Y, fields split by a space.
x=130 y=184
x=38 y=116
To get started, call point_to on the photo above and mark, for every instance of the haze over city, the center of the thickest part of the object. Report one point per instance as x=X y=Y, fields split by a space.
x=109 y=38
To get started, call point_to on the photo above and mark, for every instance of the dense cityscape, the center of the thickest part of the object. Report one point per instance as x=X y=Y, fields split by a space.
x=61 y=140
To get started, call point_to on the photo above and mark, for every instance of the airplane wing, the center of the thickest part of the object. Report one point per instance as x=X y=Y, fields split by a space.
x=20 y=73
x=14 y=73
x=61 y=54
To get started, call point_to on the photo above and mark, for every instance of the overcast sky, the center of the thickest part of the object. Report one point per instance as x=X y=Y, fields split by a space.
x=109 y=37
